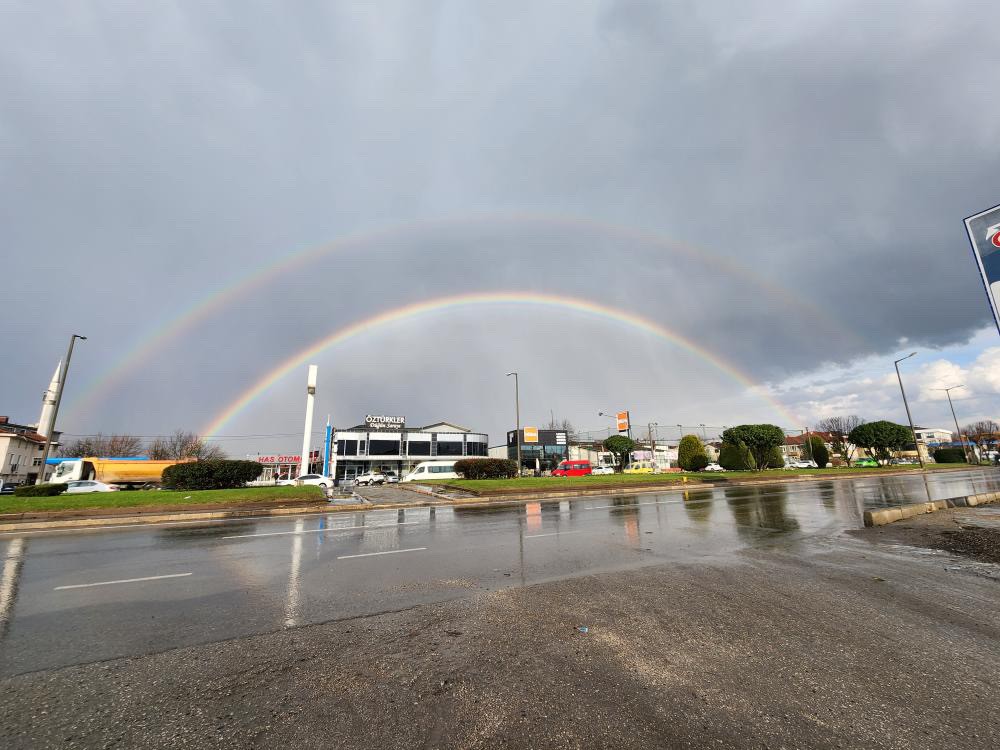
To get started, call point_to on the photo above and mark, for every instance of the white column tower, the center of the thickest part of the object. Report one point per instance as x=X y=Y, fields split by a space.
x=49 y=403
x=307 y=433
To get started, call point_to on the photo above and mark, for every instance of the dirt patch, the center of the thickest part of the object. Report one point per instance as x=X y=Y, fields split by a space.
x=971 y=532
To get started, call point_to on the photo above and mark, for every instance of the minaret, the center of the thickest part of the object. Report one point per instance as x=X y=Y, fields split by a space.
x=49 y=403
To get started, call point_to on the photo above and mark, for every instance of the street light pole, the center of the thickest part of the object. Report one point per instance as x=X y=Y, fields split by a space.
x=958 y=431
x=704 y=432
x=906 y=405
x=517 y=419
x=50 y=428
x=650 y=438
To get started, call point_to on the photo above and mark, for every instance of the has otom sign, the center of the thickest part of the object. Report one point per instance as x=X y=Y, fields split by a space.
x=984 y=234
x=531 y=434
x=382 y=422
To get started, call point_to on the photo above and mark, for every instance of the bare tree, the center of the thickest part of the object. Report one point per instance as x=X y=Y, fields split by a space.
x=184 y=445
x=566 y=426
x=103 y=446
x=985 y=434
x=839 y=428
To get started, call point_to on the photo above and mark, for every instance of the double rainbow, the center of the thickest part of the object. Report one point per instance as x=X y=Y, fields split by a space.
x=100 y=388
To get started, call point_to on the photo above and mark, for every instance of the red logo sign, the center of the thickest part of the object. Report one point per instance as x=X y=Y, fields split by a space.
x=993 y=235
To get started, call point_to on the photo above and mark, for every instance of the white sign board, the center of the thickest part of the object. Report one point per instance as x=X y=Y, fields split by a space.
x=984 y=234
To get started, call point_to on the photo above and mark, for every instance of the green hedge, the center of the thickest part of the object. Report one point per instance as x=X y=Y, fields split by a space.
x=949 y=455
x=734 y=457
x=211 y=475
x=39 y=490
x=486 y=468
x=690 y=451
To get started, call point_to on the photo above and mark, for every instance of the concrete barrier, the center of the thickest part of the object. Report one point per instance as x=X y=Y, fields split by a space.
x=891 y=515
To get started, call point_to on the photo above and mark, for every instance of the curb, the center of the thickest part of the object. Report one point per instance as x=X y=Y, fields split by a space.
x=891 y=515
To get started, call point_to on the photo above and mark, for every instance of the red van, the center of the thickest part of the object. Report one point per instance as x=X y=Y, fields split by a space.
x=572 y=469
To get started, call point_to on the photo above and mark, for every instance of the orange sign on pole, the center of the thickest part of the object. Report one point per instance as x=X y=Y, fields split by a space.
x=531 y=434
x=623 y=424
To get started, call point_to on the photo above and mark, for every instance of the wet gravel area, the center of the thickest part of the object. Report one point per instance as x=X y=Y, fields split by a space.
x=847 y=645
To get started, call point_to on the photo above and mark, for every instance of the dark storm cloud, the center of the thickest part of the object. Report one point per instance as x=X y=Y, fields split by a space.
x=152 y=154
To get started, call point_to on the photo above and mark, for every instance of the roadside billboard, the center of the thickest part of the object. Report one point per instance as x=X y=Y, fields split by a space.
x=623 y=423
x=984 y=234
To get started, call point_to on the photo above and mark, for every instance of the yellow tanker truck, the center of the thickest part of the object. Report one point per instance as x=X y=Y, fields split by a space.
x=121 y=472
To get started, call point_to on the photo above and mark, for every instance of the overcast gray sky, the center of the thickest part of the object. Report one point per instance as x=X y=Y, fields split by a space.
x=661 y=158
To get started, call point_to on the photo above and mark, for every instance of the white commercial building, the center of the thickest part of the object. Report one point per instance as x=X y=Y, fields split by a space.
x=933 y=435
x=386 y=443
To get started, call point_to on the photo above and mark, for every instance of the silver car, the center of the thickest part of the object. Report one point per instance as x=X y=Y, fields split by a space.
x=87 y=485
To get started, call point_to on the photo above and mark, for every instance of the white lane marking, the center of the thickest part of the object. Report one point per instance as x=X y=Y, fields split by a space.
x=387 y=552
x=331 y=530
x=554 y=533
x=123 y=580
x=634 y=505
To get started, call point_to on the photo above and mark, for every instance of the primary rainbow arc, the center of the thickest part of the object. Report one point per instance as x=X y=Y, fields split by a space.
x=405 y=312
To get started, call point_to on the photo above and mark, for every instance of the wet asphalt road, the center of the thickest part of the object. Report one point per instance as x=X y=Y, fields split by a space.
x=77 y=597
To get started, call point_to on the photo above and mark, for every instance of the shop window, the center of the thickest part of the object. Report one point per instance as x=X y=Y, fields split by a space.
x=347 y=447
x=449 y=448
x=419 y=448
x=383 y=448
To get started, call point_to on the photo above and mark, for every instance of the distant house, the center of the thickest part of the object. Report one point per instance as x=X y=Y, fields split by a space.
x=21 y=449
x=795 y=448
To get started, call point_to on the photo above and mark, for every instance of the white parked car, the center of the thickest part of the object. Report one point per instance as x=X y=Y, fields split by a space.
x=801 y=465
x=317 y=479
x=713 y=467
x=391 y=477
x=370 y=477
x=87 y=485
x=601 y=471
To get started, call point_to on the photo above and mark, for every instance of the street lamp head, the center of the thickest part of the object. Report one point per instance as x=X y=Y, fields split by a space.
x=78 y=336
x=511 y=373
x=911 y=354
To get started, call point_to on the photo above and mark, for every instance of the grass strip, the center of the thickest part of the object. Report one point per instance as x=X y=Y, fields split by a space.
x=154 y=498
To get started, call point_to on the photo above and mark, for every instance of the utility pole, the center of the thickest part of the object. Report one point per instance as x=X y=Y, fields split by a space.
x=907 y=406
x=307 y=433
x=649 y=436
x=704 y=432
x=965 y=447
x=517 y=418
x=51 y=426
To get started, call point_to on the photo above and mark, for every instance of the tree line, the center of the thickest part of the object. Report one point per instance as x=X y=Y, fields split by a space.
x=759 y=446
x=180 y=445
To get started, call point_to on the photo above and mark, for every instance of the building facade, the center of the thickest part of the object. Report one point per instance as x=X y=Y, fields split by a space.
x=385 y=443
x=21 y=449
x=541 y=450
x=934 y=436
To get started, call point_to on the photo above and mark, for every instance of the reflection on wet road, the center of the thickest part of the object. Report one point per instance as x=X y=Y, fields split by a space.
x=71 y=597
